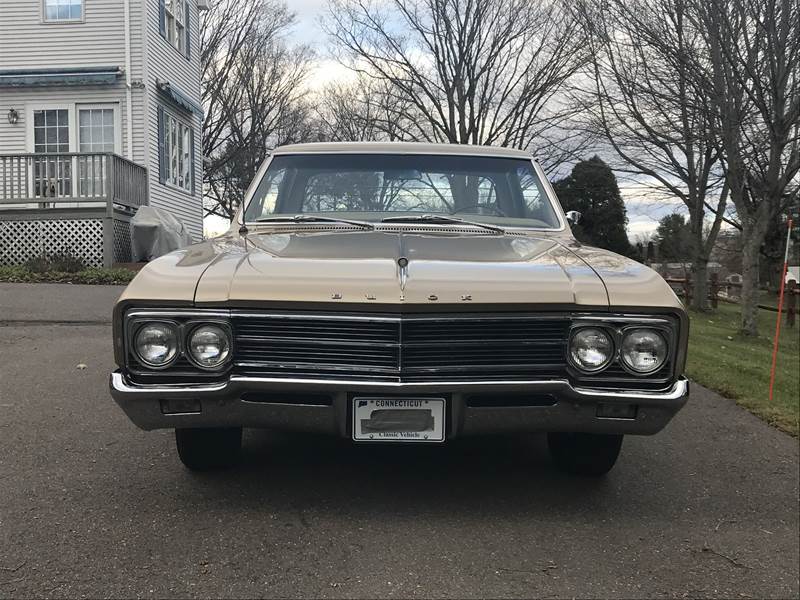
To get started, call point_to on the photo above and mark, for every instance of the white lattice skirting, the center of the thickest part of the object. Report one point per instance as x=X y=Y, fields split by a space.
x=122 y=241
x=25 y=239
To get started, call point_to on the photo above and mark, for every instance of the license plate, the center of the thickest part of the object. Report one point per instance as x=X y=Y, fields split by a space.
x=398 y=419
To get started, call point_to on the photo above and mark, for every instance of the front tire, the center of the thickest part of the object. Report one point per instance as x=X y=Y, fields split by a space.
x=585 y=454
x=209 y=449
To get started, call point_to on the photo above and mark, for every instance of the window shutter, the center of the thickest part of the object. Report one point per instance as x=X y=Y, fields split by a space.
x=162 y=18
x=162 y=176
x=191 y=164
x=187 y=29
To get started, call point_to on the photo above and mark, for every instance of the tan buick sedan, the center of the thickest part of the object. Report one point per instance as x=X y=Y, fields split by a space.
x=400 y=293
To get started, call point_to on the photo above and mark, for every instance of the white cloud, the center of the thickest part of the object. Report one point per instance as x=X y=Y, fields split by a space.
x=326 y=71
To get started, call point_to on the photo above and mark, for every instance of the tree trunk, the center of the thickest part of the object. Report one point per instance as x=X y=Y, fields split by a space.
x=700 y=270
x=749 y=300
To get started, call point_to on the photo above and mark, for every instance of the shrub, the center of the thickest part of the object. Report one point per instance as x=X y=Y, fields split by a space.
x=63 y=262
x=90 y=276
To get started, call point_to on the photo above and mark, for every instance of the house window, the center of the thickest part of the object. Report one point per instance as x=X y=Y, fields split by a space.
x=51 y=130
x=96 y=130
x=174 y=24
x=177 y=157
x=96 y=134
x=52 y=176
x=63 y=10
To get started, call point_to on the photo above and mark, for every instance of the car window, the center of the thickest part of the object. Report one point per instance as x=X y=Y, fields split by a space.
x=269 y=191
x=501 y=190
x=427 y=192
x=532 y=193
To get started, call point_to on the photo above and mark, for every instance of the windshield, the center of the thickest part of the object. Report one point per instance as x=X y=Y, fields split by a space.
x=373 y=187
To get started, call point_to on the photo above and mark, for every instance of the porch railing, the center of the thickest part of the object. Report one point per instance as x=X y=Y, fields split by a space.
x=80 y=203
x=75 y=177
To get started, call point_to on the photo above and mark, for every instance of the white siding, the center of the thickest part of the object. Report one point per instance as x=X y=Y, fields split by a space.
x=27 y=42
x=139 y=93
x=165 y=63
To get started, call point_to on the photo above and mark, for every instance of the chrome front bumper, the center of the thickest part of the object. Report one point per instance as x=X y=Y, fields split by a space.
x=221 y=405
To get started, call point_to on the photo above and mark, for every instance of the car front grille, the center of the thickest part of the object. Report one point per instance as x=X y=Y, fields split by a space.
x=401 y=347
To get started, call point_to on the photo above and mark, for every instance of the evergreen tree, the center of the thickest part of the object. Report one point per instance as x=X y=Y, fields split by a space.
x=674 y=238
x=592 y=190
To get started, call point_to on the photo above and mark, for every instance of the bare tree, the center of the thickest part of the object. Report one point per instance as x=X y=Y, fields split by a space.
x=364 y=109
x=648 y=102
x=754 y=48
x=253 y=95
x=471 y=71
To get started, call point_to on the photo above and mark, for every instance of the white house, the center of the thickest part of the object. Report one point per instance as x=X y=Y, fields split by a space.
x=99 y=113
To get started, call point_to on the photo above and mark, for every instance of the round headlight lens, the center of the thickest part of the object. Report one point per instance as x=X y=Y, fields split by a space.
x=156 y=344
x=591 y=349
x=643 y=350
x=209 y=346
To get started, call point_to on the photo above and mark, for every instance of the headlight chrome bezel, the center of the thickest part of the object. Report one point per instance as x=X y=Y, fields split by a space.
x=618 y=327
x=136 y=329
x=662 y=333
x=191 y=328
x=578 y=328
x=184 y=324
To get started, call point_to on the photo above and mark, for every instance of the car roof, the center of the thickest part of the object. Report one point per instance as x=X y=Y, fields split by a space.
x=399 y=148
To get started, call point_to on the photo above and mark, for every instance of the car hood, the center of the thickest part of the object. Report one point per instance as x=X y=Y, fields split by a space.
x=365 y=267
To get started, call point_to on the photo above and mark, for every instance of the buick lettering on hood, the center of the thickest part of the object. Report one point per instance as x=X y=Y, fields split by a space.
x=400 y=293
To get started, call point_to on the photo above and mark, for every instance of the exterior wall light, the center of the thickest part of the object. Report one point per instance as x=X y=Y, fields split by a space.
x=13 y=116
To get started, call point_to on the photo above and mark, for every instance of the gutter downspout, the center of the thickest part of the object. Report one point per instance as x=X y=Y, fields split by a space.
x=128 y=85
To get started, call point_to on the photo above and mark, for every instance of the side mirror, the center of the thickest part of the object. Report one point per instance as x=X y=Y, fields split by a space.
x=573 y=217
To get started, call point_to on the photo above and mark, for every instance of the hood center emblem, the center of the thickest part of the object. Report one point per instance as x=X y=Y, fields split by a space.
x=402 y=272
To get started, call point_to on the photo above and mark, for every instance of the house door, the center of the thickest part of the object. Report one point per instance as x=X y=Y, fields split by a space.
x=97 y=135
x=52 y=175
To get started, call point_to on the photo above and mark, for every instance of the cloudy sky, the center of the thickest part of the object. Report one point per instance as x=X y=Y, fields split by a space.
x=644 y=211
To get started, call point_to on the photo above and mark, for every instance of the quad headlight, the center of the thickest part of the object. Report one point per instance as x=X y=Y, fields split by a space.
x=643 y=350
x=209 y=346
x=591 y=349
x=156 y=344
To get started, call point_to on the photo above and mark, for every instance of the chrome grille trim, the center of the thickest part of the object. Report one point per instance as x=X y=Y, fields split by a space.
x=400 y=346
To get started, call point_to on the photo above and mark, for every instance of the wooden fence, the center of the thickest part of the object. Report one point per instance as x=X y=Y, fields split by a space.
x=683 y=287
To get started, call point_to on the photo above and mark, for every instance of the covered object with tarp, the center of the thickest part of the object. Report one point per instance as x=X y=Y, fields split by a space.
x=155 y=232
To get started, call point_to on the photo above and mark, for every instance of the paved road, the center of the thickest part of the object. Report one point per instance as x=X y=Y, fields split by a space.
x=90 y=505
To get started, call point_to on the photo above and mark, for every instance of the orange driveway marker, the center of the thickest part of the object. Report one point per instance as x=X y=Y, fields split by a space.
x=780 y=309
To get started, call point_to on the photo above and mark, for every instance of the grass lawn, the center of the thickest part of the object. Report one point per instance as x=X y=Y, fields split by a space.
x=771 y=299
x=738 y=367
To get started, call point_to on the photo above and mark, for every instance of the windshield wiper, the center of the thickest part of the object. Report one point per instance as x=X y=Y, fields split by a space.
x=441 y=219
x=317 y=219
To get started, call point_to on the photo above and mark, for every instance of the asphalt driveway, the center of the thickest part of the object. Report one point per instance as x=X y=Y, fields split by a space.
x=92 y=506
